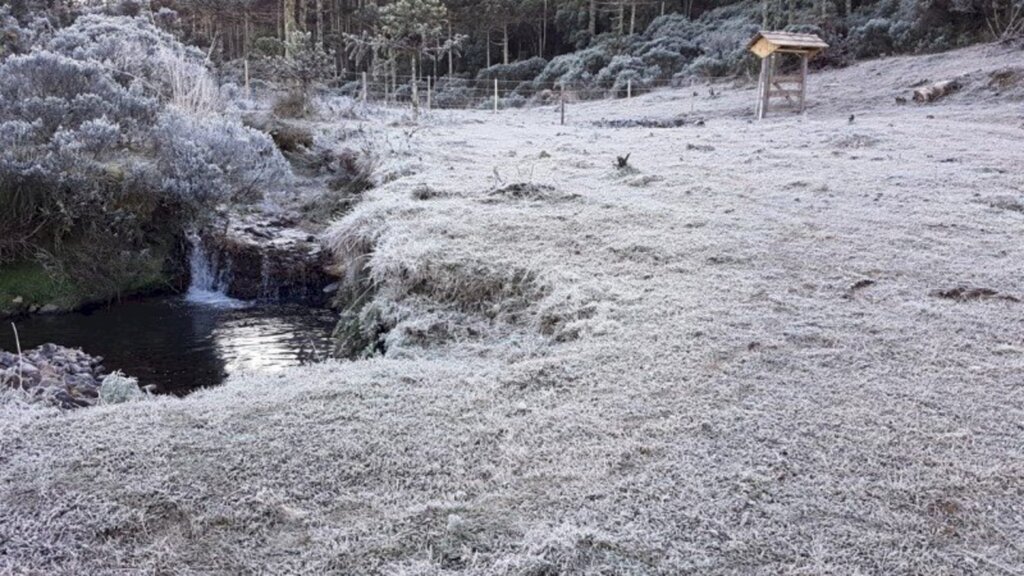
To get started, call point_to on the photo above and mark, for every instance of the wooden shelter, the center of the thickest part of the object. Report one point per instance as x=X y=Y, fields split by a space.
x=770 y=47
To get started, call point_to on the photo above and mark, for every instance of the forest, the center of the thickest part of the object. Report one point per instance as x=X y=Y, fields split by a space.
x=527 y=39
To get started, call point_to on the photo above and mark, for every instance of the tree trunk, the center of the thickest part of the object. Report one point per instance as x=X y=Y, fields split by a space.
x=488 y=48
x=593 y=18
x=792 y=12
x=504 y=43
x=320 y=24
x=415 y=89
x=451 y=53
x=289 y=25
x=544 y=30
x=632 y=19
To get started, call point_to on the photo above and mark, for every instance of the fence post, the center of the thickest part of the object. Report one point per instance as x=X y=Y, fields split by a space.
x=561 y=100
x=366 y=88
x=629 y=88
x=430 y=92
x=495 y=95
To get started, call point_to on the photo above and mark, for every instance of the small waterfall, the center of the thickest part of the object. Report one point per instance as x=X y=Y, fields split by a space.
x=208 y=278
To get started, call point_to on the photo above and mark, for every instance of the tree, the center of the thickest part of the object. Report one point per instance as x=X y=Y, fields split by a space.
x=412 y=28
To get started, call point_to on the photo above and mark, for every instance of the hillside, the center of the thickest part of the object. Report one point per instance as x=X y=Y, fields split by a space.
x=788 y=346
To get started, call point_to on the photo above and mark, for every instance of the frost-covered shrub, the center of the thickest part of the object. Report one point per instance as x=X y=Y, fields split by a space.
x=455 y=93
x=624 y=69
x=576 y=68
x=58 y=92
x=521 y=71
x=14 y=39
x=104 y=145
x=117 y=388
x=141 y=56
x=95 y=138
x=513 y=100
x=214 y=160
x=873 y=38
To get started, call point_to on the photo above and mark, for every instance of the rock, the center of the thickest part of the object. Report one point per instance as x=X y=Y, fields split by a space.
x=27 y=368
x=53 y=375
x=263 y=261
x=18 y=300
x=49 y=309
x=118 y=389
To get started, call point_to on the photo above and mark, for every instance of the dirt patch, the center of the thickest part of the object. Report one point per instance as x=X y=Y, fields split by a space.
x=1005 y=78
x=677 y=122
x=1011 y=203
x=854 y=141
x=426 y=192
x=530 y=191
x=858 y=286
x=965 y=294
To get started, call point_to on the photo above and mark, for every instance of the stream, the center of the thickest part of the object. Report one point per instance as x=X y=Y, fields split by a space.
x=185 y=342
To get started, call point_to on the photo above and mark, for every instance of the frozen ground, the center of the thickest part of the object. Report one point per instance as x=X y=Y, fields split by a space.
x=793 y=346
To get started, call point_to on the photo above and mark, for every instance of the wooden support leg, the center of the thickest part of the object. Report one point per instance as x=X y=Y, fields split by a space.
x=762 y=83
x=803 y=82
x=768 y=70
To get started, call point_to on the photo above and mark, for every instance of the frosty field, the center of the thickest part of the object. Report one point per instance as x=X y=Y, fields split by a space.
x=789 y=346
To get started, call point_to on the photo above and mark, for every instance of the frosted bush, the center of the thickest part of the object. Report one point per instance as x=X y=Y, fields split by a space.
x=455 y=93
x=623 y=69
x=214 y=160
x=142 y=56
x=14 y=39
x=521 y=71
x=94 y=137
x=118 y=389
x=575 y=68
x=114 y=108
x=63 y=93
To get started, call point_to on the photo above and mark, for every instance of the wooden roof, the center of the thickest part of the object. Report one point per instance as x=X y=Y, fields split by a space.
x=766 y=42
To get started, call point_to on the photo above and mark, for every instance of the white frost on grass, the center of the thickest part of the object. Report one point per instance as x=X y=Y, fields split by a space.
x=742 y=368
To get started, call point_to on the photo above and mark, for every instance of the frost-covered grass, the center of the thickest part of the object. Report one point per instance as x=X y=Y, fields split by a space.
x=732 y=360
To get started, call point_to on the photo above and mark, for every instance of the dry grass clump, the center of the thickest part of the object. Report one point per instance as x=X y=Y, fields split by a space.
x=292 y=104
x=291 y=138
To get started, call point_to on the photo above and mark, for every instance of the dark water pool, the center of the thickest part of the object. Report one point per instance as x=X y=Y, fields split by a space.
x=180 y=345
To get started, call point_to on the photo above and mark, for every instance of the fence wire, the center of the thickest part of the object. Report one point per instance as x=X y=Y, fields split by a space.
x=427 y=92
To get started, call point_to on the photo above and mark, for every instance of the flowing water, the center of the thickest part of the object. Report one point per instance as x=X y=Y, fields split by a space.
x=181 y=343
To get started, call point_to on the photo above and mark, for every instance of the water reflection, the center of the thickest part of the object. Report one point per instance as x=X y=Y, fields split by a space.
x=179 y=345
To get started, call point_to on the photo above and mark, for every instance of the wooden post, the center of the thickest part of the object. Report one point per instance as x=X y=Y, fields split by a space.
x=248 y=88
x=561 y=101
x=767 y=70
x=430 y=92
x=366 y=87
x=761 y=83
x=629 y=88
x=803 y=81
x=415 y=90
x=495 y=95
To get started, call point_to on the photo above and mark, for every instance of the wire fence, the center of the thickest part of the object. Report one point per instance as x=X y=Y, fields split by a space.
x=445 y=92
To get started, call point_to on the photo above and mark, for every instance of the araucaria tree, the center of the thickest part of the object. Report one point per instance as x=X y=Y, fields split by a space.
x=413 y=28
